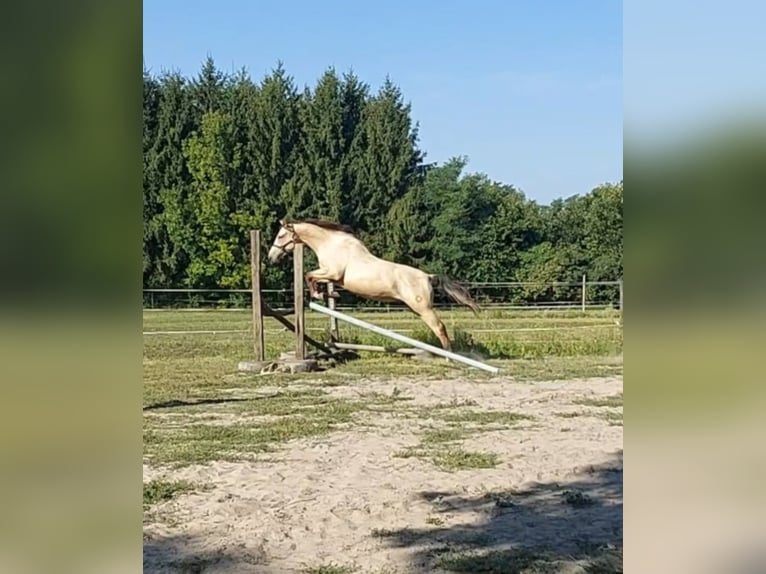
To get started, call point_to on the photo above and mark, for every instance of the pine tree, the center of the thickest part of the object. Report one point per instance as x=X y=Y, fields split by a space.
x=354 y=95
x=167 y=184
x=152 y=238
x=274 y=137
x=315 y=188
x=388 y=162
x=208 y=90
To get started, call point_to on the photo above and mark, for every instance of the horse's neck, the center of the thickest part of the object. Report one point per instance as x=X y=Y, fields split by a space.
x=312 y=236
x=319 y=239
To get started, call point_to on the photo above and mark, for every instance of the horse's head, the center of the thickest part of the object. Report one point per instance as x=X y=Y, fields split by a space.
x=284 y=242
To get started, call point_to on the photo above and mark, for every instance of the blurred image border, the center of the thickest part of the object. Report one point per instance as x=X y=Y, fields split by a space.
x=695 y=145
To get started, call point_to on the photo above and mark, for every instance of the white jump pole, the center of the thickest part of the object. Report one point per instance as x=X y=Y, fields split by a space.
x=401 y=338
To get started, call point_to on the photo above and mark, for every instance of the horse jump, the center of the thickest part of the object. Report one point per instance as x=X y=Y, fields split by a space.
x=401 y=338
x=334 y=349
x=344 y=260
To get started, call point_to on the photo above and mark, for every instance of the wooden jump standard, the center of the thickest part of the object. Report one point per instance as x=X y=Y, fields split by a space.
x=262 y=309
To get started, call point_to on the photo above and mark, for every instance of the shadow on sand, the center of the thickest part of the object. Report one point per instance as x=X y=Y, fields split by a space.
x=570 y=527
x=189 y=555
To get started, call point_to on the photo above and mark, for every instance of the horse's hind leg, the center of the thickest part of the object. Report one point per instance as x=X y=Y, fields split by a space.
x=434 y=323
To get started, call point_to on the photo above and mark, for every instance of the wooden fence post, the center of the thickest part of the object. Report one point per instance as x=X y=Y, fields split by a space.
x=334 y=336
x=255 y=278
x=583 y=293
x=300 y=347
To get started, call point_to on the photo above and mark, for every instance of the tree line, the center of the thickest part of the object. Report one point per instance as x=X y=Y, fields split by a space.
x=224 y=154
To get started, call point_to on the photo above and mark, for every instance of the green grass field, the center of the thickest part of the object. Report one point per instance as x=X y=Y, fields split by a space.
x=526 y=344
x=499 y=334
x=197 y=372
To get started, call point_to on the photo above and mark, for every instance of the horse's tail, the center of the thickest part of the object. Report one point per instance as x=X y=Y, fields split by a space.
x=454 y=291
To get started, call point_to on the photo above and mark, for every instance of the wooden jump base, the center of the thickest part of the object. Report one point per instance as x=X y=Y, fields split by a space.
x=377 y=348
x=297 y=360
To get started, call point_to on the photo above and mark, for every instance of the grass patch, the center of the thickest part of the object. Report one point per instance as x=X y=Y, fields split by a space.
x=614 y=418
x=496 y=562
x=331 y=568
x=412 y=452
x=455 y=403
x=439 y=436
x=463 y=342
x=282 y=403
x=156 y=491
x=576 y=499
x=372 y=364
x=196 y=564
x=459 y=459
x=298 y=416
x=451 y=458
x=483 y=418
x=438 y=445
x=610 y=401
x=388 y=403
x=462 y=420
x=572 y=415
x=604 y=560
x=563 y=368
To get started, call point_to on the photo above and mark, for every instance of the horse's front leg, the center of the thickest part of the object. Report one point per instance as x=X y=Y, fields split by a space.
x=318 y=276
x=312 y=285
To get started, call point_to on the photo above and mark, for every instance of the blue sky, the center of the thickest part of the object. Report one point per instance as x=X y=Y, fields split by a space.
x=530 y=91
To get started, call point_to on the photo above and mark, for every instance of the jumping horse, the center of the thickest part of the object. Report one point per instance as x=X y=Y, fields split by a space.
x=344 y=260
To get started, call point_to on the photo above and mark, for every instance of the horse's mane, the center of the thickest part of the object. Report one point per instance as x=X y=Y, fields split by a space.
x=331 y=225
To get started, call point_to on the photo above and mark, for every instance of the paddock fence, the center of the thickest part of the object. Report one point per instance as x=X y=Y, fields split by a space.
x=511 y=295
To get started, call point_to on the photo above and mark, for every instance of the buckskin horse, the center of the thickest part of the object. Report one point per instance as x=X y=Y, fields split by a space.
x=344 y=260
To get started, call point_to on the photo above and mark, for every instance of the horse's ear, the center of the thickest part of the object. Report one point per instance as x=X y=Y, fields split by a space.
x=282 y=222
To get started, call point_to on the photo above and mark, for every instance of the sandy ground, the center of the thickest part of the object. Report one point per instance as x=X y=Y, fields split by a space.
x=345 y=498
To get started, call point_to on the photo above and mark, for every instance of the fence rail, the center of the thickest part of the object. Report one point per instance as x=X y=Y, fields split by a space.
x=469 y=285
x=491 y=295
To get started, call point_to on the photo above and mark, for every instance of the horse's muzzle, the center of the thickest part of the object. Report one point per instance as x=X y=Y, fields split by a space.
x=275 y=254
